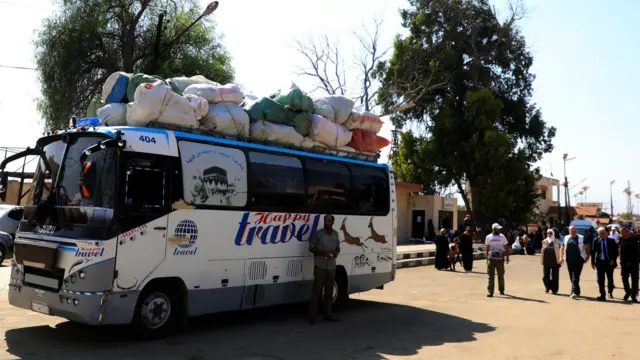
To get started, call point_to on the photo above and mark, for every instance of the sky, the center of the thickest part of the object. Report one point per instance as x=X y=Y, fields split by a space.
x=585 y=55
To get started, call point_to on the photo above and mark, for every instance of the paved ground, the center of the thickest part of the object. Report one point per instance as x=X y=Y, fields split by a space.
x=425 y=314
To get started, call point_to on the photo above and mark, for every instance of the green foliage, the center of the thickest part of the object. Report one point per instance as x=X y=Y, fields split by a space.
x=86 y=40
x=626 y=216
x=466 y=74
x=580 y=217
x=602 y=214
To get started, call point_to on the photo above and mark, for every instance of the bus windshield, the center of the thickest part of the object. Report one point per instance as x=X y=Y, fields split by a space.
x=56 y=199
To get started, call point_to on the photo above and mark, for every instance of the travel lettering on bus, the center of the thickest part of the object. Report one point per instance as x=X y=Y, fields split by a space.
x=84 y=252
x=270 y=228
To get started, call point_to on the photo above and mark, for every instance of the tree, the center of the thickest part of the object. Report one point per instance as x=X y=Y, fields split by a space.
x=326 y=64
x=86 y=40
x=482 y=131
x=626 y=216
x=602 y=214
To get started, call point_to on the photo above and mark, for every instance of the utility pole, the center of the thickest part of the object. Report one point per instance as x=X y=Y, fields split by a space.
x=611 y=196
x=567 y=200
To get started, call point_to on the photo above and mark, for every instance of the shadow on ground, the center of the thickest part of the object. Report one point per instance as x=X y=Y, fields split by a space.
x=368 y=330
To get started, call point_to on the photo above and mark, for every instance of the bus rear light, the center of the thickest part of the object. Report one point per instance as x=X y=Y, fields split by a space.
x=100 y=319
x=102 y=301
x=68 y=300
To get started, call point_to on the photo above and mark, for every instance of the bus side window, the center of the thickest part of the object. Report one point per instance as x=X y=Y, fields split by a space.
x=371 y=187
x=328 y=187
x=145 y=185
x=277 y=183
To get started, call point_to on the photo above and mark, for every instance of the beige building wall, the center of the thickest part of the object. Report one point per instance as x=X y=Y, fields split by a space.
x=409 y=200
x=547 y=186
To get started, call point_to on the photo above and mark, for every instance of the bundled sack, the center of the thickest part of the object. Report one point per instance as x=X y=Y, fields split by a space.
x=157 y=101
x=181 y=83
x=227 y=118
x=115 y=88
x=113 y=114
x=329 y=133
x=364 y=120
x=282 y=134
x=294 y=99
x=207 y=91
x=200 y=105
x=365 y=141
x=323 y=108
x=341 y=107
x=231 y=93
x=266 y=109
x=137 y=80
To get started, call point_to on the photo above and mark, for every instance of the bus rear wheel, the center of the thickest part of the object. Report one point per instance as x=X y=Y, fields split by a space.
x=159 y=313
x=340 y=291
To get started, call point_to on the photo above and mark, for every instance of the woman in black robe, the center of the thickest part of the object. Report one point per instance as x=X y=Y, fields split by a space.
x=442 y=251
x=466 y=249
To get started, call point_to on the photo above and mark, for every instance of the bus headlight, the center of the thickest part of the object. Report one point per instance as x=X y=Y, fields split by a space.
x=75 y=302
x=73 y=279
x=82 y=275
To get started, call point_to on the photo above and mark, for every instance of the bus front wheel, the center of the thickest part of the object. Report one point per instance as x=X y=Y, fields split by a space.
x=159 y=313
x=341 y=290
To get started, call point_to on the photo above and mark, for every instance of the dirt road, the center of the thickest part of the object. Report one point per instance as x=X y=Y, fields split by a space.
x=425 y=314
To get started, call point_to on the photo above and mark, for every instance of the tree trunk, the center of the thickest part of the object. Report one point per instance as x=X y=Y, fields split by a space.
x=478 y=217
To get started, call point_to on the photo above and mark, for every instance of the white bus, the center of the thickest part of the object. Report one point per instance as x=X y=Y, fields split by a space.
x=151 y=225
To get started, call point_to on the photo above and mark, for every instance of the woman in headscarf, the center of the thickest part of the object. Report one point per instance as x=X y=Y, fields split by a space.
x=551 y=260
x=466 y=249
x=442 y=250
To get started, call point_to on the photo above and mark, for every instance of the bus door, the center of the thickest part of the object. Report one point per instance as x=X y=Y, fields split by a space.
x=145 y=203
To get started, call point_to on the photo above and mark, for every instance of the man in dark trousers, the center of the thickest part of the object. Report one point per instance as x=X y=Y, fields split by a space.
x=575 y=253
x=325 y=246
x=629 y=259
x=603 y=259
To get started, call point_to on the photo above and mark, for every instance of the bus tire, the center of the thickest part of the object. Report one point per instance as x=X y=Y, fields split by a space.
x=160 y=312
x=342 y=287
x=3 y=253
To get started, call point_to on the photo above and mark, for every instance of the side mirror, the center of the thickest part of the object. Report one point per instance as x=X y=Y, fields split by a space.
x=87 y=180
x=4 y=186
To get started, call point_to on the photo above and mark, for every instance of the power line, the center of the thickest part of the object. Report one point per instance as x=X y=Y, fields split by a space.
x=17 y=67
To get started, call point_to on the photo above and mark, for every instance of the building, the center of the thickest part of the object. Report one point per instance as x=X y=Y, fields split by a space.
x=416 y=209
x=546 y=187
x=586 y=211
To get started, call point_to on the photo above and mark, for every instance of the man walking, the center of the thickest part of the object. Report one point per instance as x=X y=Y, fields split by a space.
x=603 y=259
x=629 y=258
x=575 y=253
x=496 y=248
x=325 y=246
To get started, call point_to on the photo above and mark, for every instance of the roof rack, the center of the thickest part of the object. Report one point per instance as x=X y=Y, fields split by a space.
x=371 y=157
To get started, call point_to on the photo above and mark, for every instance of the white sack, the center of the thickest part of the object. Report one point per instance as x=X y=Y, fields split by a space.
x=283 y=134
x=182 y=82
x=113 y=114
x=341 y=106
x=231 y=93
x=227 y=118
x=207 y=91
x=347 y=148
x=157 y=102
x=200 y=105
x=323 y=108
x=114 y=89
x=329 y=133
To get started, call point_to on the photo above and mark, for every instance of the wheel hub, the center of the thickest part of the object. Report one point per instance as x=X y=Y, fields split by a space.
x=155 y=310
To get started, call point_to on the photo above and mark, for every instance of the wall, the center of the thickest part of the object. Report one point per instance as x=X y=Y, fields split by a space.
x=12 y=194
x=409 y=201
x=549 y=186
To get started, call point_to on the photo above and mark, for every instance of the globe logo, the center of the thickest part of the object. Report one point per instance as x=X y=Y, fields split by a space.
x=187 y=228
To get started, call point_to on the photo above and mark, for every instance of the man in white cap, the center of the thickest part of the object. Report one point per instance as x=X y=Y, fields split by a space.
x=497 y=250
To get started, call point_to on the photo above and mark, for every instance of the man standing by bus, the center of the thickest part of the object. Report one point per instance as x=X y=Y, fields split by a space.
x=497 y=247
x=325 y=246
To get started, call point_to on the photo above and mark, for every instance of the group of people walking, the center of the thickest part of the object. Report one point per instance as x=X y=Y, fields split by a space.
x=604 y=253
x=451 y=249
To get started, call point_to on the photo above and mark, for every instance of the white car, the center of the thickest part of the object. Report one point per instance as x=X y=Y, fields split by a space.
x=10 y=216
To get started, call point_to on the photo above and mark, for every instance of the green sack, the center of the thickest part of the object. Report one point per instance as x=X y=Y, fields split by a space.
x=294 y=99
x=138 y=79
x=95 y=104
x=301 y=121
x=266 y=109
